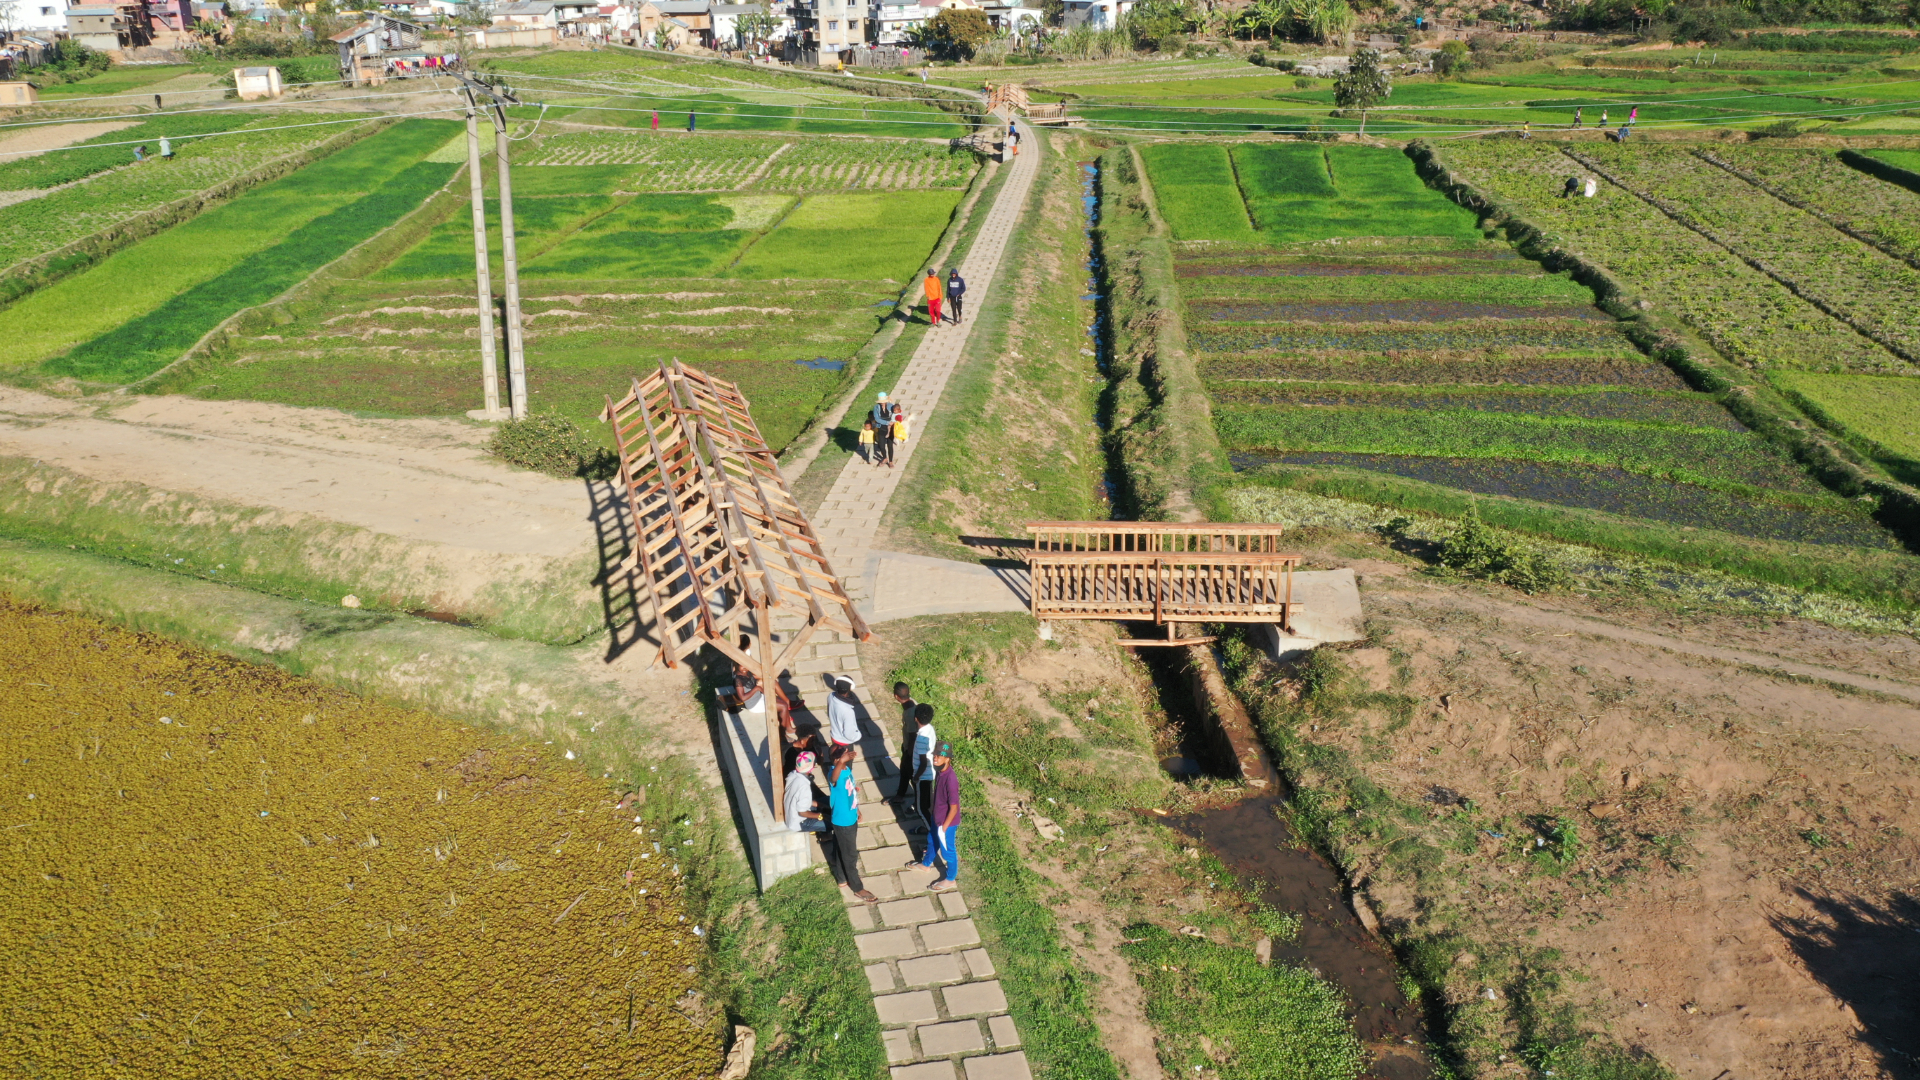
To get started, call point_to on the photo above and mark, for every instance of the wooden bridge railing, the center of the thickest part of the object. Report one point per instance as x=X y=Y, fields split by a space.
x=1164 y=588
x=1155 y=536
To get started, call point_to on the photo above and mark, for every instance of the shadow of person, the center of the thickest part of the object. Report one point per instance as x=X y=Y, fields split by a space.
x=1866 y=954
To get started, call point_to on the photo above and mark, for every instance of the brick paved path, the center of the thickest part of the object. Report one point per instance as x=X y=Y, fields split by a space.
x=944 y=1015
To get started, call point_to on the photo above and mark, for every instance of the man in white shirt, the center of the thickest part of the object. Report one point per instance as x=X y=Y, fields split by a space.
x=843 y=718
x=920 y=762
x=801 y=815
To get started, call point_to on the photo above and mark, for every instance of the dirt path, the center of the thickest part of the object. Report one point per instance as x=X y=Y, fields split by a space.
x=423 y=480
x=1570 y=623
x=39 y=140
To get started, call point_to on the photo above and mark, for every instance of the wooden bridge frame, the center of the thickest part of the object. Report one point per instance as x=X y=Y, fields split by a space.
x=1169 y=572
x=718 y=538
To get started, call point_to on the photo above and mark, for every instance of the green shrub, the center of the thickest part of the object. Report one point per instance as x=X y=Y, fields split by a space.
x=552 y=444
x=1479 y=550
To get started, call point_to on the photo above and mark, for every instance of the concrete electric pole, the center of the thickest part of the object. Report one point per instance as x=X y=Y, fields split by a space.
x=497 y=101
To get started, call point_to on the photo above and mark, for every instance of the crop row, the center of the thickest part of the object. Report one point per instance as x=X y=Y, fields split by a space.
x=144 y=345
x=1348 y=311
x=1680 y=409
x=1883 y=412
x=1611 y=490
x=1461 y=368
x=1483 y=334
x=1744 y=313
x=395 y=348
x=54 y=220
x=1823 y=184
x=1331 y=266
x=1536 y=289
x=1861 y=285
x=1651 y=449
x=634 y=148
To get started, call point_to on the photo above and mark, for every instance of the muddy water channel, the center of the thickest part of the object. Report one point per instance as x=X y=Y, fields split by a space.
x=1249 y=837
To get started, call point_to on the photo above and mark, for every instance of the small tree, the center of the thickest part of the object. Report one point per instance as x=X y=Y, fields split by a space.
x=956 y=32
x=1365 y=85
x=756 y=26
x=1452 y=59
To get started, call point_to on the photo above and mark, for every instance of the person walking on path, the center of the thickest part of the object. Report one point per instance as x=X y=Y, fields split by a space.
x=866 y=441
x=1634 y=116
x=924 y=72
x=656 y=121
x=843 y=717
x=931 y=287
x=843 y=801
x=946 y=818
x=690 y=122
x=883 y=417
x=1603 y=120
x=956 y=292
x=1576 y=115
x=803 y=810
x=1013 y=141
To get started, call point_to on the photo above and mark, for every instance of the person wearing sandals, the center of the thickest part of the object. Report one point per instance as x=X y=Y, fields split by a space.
x=844 y=813
x=946 y=819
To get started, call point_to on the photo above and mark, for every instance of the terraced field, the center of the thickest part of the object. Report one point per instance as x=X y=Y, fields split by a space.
x=1360 y=339
x=1792 y=261
x=774 y=280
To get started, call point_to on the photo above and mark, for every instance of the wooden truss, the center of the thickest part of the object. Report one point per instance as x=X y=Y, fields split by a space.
x=719 y=540
x=1166 y=572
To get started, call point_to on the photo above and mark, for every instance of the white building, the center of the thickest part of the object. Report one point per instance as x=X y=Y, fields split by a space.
x=1100 y=14
x=38 y=17
x=526 y=14
x=829 y=27
x=892 y=19
x=1015 y=16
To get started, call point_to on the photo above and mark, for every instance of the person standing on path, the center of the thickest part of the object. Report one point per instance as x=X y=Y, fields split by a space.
x=1634 y=116
x=166 y=149
x=956 y=292
x=1576 y=115
x=882 y=421
x=843 y=801
x=1603 y=119
x=946 y=818
x=903 y=789
x=924 y=72
x=931 y=286
x=803 y=814
x=656 y=121
x=866 y=441
x=920 y=758
x=690 y=122
x=843 y=717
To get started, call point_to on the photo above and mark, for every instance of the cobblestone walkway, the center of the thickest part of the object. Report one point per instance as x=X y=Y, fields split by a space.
x=940 y=1002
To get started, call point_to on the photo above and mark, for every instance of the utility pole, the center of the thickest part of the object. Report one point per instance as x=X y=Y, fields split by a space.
x=489 y=365
x=516 y=347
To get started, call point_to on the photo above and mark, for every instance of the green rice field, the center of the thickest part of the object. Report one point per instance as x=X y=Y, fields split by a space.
x=1364 y=341
x=772 y=281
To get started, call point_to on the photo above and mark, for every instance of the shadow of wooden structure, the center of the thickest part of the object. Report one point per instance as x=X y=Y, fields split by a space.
x=719 y=542
x=1164 y=572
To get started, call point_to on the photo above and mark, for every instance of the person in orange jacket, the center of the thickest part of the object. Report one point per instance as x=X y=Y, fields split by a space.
x=934 y=295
